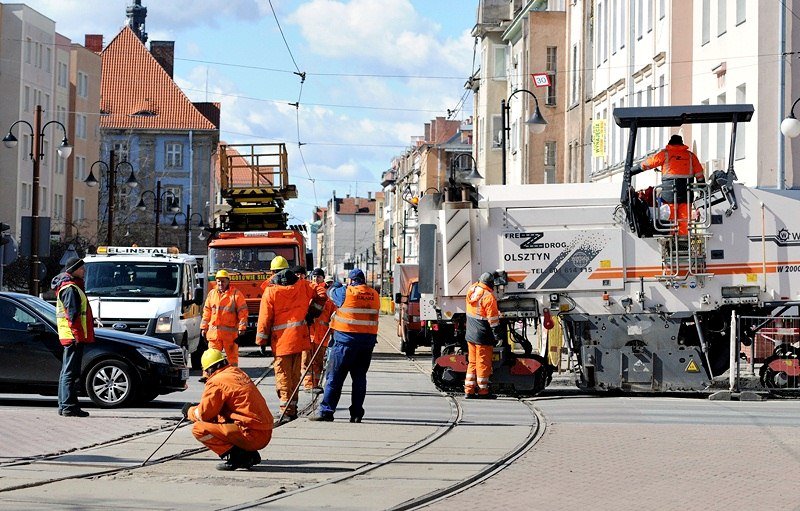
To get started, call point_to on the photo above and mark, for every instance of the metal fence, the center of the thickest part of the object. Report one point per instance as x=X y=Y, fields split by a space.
x=767 y=348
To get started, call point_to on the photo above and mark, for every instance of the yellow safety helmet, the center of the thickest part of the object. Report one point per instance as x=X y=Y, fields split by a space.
x=279 y=263
x=222 y=274
x=211 y=357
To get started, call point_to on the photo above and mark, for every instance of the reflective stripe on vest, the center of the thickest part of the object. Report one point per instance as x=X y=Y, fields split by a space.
x=64 y=331
x=284 y=326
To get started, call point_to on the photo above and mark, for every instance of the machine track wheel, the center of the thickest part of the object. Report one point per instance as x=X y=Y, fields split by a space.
x=780 y=373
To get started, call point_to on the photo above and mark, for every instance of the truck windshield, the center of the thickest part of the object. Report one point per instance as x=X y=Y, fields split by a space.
x=247 y=258
x=125 y=278
x=413 y=295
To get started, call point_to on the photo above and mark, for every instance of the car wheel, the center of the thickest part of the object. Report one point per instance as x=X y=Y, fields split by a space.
x=110 y=383
x=202 y=346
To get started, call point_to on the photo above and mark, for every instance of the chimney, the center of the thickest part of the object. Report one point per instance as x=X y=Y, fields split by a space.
x=369 y=195
x=427 y=131
x=93 y=42
x=164 y=53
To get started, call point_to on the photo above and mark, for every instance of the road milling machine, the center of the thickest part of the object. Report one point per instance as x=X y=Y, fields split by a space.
x=642 y=308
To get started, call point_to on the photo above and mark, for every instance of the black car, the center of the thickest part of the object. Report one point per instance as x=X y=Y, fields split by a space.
x=119 y=368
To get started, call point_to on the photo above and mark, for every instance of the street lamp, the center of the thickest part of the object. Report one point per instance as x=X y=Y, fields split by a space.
x=188 y=217
x=157 y=198
x=36 y=154
x=473 y=178
x=791 y=126
x=111 y=173
x=536 y=123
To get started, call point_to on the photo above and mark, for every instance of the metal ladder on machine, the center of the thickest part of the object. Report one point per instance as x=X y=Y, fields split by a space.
x=684 y=256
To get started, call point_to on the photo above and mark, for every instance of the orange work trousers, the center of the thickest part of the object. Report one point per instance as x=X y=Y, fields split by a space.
x=229 y=346
x=679 y=213
x=287 y=379
x=221 y=438
x=479 y=368
x=314 y=366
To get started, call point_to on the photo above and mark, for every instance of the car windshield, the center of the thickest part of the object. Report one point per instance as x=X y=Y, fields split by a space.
x=248 y=258
x=43 y=308
x=126 y=278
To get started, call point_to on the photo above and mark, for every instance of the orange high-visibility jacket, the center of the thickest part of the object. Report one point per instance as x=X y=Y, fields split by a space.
x=282 y=316
x=675 y=161
x=360 y=311
x=482 y=314
x=224 y=314
x=230 y=396
x=322 y=323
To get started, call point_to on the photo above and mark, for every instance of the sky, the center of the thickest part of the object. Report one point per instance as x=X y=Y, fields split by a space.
x=375 y=72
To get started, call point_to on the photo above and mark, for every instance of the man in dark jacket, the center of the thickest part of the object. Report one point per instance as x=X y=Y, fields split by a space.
x=75 y=328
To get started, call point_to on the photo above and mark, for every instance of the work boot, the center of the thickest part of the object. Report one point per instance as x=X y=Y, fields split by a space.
x=470 y=396
x=355 y=419
x=74 y=413
x=486 y=396
x=286 y=418
x=255 y=458
x=237 y=458
x=323 y=417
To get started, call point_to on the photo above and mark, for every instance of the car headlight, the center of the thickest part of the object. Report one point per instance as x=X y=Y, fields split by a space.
x=164 y=324
x=155 y=357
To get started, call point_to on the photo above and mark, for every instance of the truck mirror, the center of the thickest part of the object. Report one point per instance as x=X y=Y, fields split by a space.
x=198 y=296
x=397 y=297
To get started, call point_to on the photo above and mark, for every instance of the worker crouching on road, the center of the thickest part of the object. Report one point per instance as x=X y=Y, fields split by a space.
x=678 y=166
x=285 y=311
x=320 y=334
x=232 y=418
x=224 y=317
x=483 y=333
x=355 y=328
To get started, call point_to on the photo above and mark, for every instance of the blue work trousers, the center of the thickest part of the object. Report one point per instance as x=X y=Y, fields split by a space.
x=344 y=359
x=70 y=378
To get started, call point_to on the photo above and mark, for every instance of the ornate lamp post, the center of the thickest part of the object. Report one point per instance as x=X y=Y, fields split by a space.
x=111 y=173
x=157 y=198
x=473 y=178
x=188 y=217
x=536 y=123
x=64 y=150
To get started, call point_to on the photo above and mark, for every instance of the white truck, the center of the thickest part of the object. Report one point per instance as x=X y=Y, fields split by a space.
x=642 y=307
x=152 y=291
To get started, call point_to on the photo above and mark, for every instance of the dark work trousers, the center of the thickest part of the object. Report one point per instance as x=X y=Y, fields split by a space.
x=69 y=381
x=343 y=359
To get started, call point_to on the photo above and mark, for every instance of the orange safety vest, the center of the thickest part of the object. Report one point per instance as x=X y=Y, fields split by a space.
x=322 y=324
x=224 y=314
x=675 y=161
x=282 y=317
x=482 y=314
x=360 y=311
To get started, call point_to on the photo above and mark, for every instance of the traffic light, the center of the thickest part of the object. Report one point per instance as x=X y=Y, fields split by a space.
x=4 y=236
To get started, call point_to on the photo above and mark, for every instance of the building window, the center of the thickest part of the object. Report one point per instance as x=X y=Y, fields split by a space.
x=662 y=9
x=497 y=131
x=614 y=28
x=83 y=85
x=43 y=196
x=122 y=200
x=39 y=55
x=722 y=14
x=121 y=151
x=27 y=104
x=741 y=11
x=549 y=162
x=573 y=99
x=78 y=209
x=706 y=22
x=704 y=138
x=28 y=50
x=58 y=206
x=80 y=168
x=48 y=58
x=26 y=195
x=721 y=100
x=551 y=69
x=174 y=155
x=80 y=126
x=499 y=64
x=62 y=74
x=741 y=138
x=604 y=41
x=599 y=40
x=172 y=200
x=639 y=18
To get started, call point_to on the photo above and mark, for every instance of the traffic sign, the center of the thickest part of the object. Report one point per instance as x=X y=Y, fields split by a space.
x=541 y=79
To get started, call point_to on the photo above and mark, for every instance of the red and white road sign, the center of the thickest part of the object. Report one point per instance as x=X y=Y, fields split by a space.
x=541 y=79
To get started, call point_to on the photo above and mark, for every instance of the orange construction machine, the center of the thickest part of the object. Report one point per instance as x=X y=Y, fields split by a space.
x=254 y=181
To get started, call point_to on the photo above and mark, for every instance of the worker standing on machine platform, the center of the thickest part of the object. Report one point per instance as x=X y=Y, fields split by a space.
x=483 y=333
x=355 y=328
x=679 y=165
x=224 y=317
x=288 y=305
x=232 y=418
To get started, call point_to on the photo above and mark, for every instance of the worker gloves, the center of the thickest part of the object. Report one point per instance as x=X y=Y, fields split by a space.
x=636 y=169
x=239 y=337
x=185 y=409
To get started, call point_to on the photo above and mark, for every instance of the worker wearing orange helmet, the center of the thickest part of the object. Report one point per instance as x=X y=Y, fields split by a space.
x=232 y=418
x=288 y=305
x=678 y=167
x=483 y=333
x=320 y=335
x=224 y=317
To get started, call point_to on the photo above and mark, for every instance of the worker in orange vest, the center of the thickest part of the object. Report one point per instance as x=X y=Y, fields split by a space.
x=678 y=167
x=320 y=334
x=288 y=305
x=483 y=333
x=232 y=418
x=224 y=317
x=355 y=333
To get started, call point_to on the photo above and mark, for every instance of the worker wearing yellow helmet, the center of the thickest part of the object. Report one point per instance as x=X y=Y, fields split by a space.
x=278 y=264
x=224 y=317
x=232 y=418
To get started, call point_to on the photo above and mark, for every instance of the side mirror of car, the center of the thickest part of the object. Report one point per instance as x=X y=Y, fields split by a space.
x=198 y=296
x=397 y=297
x=37 y=328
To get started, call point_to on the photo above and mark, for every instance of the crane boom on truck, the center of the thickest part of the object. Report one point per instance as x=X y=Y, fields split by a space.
x=642 y=307
x=254 y=181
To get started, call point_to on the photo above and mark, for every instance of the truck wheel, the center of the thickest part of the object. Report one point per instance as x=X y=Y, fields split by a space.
x=111 y=383
x=202 y=345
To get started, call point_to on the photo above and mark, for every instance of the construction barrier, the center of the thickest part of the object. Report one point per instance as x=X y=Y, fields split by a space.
x=387 y=305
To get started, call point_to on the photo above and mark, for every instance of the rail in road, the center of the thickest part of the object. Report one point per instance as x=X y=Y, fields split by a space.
x=416 y=446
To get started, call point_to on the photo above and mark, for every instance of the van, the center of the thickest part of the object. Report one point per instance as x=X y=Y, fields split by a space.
x=410 y=329
x=152 y=291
